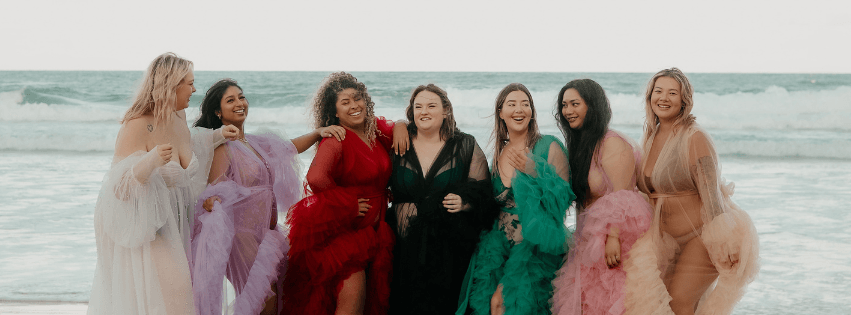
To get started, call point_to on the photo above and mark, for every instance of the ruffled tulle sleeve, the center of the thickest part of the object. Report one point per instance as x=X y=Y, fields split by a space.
x=282 y=156
x=545 y=197
x=477 y=191
x=212 y=240
x=329 y=208
x=132 y=210
x=204 y=143
x=728 y=233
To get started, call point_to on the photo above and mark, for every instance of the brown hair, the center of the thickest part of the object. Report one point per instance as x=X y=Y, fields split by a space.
x=500 y=130
x=448 y=128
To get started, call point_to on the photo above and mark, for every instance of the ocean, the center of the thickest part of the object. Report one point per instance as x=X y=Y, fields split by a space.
x=784 y=139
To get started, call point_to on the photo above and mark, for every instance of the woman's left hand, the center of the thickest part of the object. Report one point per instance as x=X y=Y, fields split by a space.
x=453 y=203
x=613 y=251
x=400 y=138
x=333 y=131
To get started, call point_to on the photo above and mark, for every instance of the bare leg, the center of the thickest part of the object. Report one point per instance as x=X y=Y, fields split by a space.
x=497 y=303
x=694 y=273
x=176 y=285
x=271 y=306
x=353 y=295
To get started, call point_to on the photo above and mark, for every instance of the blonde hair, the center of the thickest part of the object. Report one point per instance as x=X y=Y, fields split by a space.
x=685 y=117
x=158 y=90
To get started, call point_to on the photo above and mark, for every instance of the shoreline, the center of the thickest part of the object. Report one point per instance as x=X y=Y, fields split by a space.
x=43 y=307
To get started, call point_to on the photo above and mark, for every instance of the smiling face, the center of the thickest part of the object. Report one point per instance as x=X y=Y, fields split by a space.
x=234 y=107
x=184 y=92
x=574 y=109
x=351 y=109
x=428 y=111
x=666 y=100
x=516 y=111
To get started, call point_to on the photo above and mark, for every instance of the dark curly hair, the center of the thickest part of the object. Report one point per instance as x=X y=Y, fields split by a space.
x=582 y=142
x=212 y=103
x=448 y=129
x=324 y=107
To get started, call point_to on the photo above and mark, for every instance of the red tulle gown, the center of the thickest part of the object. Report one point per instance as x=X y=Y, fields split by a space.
x=329 y=242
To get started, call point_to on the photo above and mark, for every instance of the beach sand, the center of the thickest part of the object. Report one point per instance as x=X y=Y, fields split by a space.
x=43 y=308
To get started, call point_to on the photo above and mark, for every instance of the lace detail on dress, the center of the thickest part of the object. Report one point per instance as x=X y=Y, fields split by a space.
x=509 y=222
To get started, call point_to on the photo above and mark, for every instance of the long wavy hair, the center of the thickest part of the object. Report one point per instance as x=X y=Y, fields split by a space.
x=582 y=143
x=500 y=130
x=212 y=103
x=158 y=90
x=448 y=128
x=324 y=107
x=685 y=118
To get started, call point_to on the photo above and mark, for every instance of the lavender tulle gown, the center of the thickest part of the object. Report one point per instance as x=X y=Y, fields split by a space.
x=240 y=239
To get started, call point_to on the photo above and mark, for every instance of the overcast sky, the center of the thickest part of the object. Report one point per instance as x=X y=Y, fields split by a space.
x=812 y=36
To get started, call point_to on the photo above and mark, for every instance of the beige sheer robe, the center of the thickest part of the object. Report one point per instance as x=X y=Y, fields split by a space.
x=685 y=178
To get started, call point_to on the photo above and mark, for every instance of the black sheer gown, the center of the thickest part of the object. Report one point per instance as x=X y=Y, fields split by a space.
x=434 y=246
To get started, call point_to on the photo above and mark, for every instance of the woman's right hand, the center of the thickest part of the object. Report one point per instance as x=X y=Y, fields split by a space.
x=165 y=152
x=363 y=206
x=208 y=204
x=230 y=132
x=519 y=160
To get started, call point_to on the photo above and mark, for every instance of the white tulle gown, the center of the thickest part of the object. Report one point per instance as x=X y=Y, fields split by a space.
x=142 y=230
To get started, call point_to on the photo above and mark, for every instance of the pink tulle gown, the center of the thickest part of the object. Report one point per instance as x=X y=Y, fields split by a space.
x=585 y=284
x=240 y=239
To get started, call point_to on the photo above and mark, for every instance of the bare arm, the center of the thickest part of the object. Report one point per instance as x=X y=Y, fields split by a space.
x=307 y=140
x=618 y=163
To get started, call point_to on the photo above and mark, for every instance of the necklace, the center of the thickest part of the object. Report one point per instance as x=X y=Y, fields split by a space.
x=243 y=140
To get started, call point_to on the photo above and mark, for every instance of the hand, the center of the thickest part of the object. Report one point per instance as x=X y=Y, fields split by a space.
x=165 y=153
x=363 y=207
x=208 y=204
x=613 y=251
x=230 y=132
x=401 y=139
x=519 y=160
x=453 y=203
x=333 y=131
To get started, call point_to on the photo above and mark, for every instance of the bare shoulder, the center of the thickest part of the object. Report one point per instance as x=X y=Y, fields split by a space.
x=136 y=129
x=133 y=136
x=615 y=144
x=221 y=150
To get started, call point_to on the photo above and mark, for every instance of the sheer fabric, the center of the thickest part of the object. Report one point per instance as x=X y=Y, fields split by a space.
x=329 y=242
x=585 y=284
x=527 y=242
x=692 y=201
x=139 y=225
x=240 y=239
x=433 y=246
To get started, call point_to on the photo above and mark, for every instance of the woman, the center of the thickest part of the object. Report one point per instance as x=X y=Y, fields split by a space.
x=146 y=196
x=612 y=214
x=698 y=235
x=341 y=248
x=515 y=262
x=442 y=200
x=252 y=179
